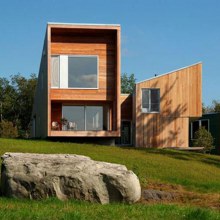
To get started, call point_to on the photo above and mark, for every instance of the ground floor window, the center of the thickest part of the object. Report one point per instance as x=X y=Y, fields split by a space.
x=195 y=125
x=84 y=118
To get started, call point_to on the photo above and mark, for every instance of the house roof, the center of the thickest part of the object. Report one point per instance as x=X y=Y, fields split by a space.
x=168 y=73
x=81 y=24
x=211 y=113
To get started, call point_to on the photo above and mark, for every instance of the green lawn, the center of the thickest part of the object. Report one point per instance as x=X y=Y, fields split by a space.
x=54 y=209
x=196 y=172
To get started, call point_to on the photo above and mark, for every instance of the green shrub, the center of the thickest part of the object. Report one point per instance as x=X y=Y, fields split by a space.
x=203 y=138
x=8 y=130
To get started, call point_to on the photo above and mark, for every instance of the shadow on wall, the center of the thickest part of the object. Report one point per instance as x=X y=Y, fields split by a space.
x=162 y=130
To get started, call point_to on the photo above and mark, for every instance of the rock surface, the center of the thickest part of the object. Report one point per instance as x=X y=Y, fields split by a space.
x=158 y=195
x=38 y=176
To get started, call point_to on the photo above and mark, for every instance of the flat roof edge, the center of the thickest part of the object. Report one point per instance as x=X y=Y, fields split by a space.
x=82 y=24
x=170 y=72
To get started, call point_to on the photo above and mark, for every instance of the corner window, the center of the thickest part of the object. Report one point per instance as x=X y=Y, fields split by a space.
x=196 y=125
x=150 y=100
x=78 y=72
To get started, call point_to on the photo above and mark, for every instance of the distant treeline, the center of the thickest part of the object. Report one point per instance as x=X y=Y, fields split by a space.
x=16 y=101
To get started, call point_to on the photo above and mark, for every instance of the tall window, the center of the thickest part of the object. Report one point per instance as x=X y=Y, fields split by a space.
x=55 y=71
x=74 y=71
x=150 y=100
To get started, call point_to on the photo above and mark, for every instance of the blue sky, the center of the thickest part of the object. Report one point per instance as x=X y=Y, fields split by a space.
x=158 y=36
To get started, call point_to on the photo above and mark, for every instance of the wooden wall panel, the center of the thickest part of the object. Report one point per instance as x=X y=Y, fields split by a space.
x=180 y=99
x=126 y=107
x=56 y=112
x=103 y=47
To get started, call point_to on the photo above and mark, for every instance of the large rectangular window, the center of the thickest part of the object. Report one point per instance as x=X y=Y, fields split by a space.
x=83 y=118
x=150 y=100
x=82 y=72
x=74 y=71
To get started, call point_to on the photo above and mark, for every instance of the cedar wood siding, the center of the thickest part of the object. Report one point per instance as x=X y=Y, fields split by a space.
x=126 y=107
x=103 y=41
x=180 y=99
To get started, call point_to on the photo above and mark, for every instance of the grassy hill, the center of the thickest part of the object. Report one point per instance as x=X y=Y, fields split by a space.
x=197 y=175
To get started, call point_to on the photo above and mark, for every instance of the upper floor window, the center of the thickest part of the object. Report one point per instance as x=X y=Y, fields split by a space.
x=55 y=72
x=150 y=100
x=74 y=72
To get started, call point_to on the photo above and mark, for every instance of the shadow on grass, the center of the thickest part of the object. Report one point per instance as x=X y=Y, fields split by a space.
x=212 y=161
x=180 y=155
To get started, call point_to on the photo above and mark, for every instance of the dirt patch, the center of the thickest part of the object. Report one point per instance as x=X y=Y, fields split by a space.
x=176 y=194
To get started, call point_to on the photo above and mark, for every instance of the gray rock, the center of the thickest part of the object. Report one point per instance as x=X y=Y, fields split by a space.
x=38 y=176
x=157 y=195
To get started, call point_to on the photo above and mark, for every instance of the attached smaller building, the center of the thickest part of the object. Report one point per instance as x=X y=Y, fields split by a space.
x=164 y=105
x=211 y=122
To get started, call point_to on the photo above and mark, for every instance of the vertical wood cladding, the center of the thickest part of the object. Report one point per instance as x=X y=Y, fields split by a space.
x=180 y=98
x=126 y=107
x=79 y=40
x=101 y=44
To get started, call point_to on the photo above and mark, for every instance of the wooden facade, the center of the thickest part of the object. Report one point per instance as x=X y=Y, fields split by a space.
x=180 y=99
x=126 y=107
x=102 y=41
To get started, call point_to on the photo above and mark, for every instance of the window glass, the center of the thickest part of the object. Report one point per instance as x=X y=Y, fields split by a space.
x=83 y=118
x=195 y=127
x=205 y=124
x=155 y=100
x=94 y=118
x=75 y=116
x=145 y=98
x=82 y=72
x=55 y=75
x=150 y=100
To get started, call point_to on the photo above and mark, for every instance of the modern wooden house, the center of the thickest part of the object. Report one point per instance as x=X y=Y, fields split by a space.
x=78 y=93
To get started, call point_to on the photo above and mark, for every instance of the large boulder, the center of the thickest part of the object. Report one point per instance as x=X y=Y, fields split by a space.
x=66 y=176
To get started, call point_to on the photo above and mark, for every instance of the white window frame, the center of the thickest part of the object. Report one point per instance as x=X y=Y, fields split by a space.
x=63 y=71
x=200 y=125
x=145 y=110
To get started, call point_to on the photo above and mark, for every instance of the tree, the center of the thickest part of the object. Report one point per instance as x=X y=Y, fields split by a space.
x=16 y=99
x=203 y=138
x=25 y=89
x=8 y=130
x=215 y=107
x=127 y=83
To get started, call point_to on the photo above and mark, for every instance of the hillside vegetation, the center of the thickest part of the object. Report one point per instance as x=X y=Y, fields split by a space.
x=195 y=173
